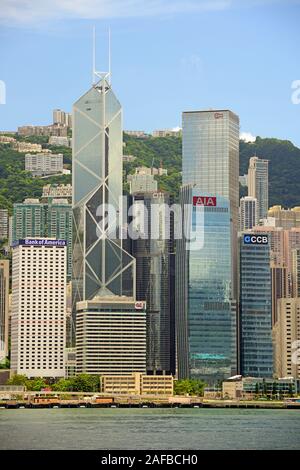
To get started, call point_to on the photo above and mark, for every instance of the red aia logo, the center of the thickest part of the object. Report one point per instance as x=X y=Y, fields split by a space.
x=204 y=201
x=218 y=115
x=139 y=305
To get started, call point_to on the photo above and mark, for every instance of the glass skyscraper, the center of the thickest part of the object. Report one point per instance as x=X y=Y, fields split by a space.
x=155 y=278
x=205 y=312
x=210 y=160
x=255 y=306
x=100 y=266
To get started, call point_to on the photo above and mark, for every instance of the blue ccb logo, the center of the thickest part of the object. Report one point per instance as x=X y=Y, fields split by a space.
x=256 y=239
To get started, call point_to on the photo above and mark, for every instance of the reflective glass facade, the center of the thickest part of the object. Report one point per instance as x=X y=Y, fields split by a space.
x=155 y=280
x=255 y=310
x=205 y=312
x=100 y=265
x=210 y=160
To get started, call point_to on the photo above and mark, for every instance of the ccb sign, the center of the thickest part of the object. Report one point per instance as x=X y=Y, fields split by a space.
x=256 y=239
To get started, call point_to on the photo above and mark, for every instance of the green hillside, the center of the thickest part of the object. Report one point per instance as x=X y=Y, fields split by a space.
x=284 y=168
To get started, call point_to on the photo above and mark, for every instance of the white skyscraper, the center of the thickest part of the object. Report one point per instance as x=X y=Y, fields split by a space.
x=248 y=213
x=38 y=324
x=258 y=184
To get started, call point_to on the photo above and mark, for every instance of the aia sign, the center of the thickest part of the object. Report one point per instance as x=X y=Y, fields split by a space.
x=207 y=201
x=218 y=115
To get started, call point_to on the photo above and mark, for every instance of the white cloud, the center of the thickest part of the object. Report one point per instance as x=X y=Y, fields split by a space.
x=247 y=137
x=30 y=11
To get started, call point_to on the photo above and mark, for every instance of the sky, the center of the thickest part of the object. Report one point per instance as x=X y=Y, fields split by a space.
x=167 y=57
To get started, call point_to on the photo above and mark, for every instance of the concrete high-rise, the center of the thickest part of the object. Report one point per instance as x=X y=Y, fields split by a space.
x=111 y=336
x=205 y=310
x=4 y=292
x=46 y=220
x=285 y=218
x=296 y=273
x=286 y=336
x=4 y=224
x=154 y=253
x=38 y=323
x=248 y=213
x=258 y=184
x=256 y=353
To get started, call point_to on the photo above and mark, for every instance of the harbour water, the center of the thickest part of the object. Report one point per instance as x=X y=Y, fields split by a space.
x=166 y=429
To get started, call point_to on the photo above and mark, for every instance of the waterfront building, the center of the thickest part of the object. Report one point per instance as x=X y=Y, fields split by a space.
x=258 y=184
x=256 y=352
x=239 y=387
x=205 y=309
x=38 y=324
x=248 y=213
x=111 y=336
x=4 y=301
x=154 y=253
x=137 y=384
x=286 y=336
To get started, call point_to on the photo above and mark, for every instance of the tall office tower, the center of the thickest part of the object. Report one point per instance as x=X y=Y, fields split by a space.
x=4 y=293
x=258 y=184
x=3 y=224
x=53 y=220
x=154 y=250
x=286 y=337
x=296 y=273
x=280 y=287
x=111 y=336
x=205 y=312
x=101 y=267
x=255 y=306
x=248 y=213
x=38 y=324
x=210 y=160
x=285 y=218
